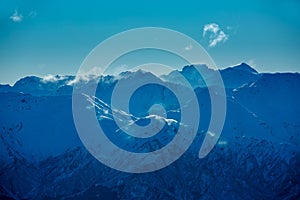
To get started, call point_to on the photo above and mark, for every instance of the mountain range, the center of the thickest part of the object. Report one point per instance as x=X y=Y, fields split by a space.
x=256 y=157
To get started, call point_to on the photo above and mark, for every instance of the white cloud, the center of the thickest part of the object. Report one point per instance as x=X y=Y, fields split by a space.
x=211 y=28
x=91 y=74
x=215 y=34
x=188 y=48
x=52 y=78
x=219 y=38
x=16 y=17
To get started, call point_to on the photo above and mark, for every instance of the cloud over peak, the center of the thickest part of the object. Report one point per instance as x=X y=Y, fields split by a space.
x=215 y=34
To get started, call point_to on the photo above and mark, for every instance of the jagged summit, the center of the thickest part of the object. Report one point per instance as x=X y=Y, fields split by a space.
x=242 y=67
x=194 y=66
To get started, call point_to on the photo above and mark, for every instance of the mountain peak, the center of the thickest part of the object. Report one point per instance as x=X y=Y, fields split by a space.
x=193 y=67
x=244 y=67
x=27 y=80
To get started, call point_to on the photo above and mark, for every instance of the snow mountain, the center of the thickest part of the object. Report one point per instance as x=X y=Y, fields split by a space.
x=257 y=156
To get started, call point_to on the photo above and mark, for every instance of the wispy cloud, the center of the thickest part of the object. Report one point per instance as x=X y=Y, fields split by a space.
x=188 y=47
x=91 y=74
x=215 y=34
x=32 y=14
x=16 y=17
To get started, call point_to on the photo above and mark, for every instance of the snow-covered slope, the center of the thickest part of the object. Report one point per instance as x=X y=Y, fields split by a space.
x=37 y=126
x=257 y=156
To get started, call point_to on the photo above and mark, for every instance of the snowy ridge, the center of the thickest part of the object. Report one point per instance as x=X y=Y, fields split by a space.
x=104 y=111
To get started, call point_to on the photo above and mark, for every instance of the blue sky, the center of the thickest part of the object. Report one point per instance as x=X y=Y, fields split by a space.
x=53 y=37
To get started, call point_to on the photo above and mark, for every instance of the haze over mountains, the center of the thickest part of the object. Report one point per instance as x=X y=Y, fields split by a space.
x=257 y=156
